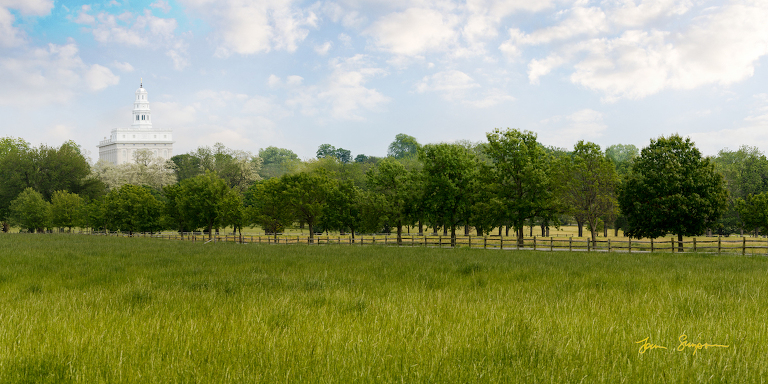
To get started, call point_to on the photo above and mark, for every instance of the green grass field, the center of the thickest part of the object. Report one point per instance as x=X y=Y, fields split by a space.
x=89 y=309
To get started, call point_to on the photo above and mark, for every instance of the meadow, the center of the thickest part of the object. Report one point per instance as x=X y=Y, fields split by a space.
x=90 y=309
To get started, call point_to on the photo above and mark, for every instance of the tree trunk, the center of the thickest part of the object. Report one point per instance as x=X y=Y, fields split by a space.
x=421 y=228
x=547 y=231
x=543 y=230
x=679 y=242
x=531 y=229
x=479 y=232
x=605 y=230
x=616 y=232
x=210 y=230
x=445 y=230
x=501 y=227
x=399 y=233
x=520 y=236
x=311 y=233
x=581 y=227
x=507 y=235
x=466 y=230
x=453 y=235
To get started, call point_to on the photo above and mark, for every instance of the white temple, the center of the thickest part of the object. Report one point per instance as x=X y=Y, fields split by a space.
x=120 y=147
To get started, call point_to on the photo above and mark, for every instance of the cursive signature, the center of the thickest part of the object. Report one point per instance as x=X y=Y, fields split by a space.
x=687 y=344
x=646 y=345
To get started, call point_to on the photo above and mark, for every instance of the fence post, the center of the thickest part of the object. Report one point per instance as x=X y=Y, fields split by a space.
x=589 y=246
x=694 y=245
x=485 y=242
x=534 y=243
x=551 y=244
x=718 y=244
x=570 y=244
x=651 y=244
x=609 y=244
x=743 y=246
x=425 y=240
x=385 y=239
x=501 y=243
x=470 y=242
x=629 y=247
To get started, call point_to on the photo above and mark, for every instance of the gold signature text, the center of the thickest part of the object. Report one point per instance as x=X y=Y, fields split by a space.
x=684 y=343
x=646 y=345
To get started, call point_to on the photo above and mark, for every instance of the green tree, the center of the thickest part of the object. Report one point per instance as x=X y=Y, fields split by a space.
x=187 y=166
x=30 y=211
x=754 y=211
x=306 y=195
x=133 y=208
x=745 y=172
x=266 y=206
x=233 y=212
x=622 y=156
x=449 y=171
x=277 y=162
x=343 y=209
x=403 y=147
x=587 y=183
x=520 y=167
x=672 y=189
x=201 y=199
x=396 y=185
x=66 y=210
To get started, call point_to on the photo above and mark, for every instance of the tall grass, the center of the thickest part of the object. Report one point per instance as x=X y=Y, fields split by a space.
x=87 y=309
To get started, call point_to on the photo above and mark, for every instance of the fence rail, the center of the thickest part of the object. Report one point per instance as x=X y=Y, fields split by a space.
x=742 y=245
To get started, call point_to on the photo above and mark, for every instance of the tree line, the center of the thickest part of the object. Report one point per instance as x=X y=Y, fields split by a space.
x=508 y=182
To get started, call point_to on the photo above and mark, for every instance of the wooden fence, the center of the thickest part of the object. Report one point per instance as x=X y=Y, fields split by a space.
x=741 y=245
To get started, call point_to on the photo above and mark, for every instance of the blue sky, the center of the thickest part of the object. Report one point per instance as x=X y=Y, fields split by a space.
x=297 y=74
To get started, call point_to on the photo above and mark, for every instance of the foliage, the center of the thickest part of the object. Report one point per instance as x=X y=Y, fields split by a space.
x=266 y=206
x=622 y=156
x=146 y=169
x=449 y=171
x=239 y=169
x=745 y=172
x=30 y=211
x=672 y=189
x=200 y=201
x=398 y=187
x=587 y=184
x=403 y=147
x=521 y=176
x=344 y=156
x=133 y=208
x=306 y=196
x=277 y=162
x=754 y=211
x=66 y=209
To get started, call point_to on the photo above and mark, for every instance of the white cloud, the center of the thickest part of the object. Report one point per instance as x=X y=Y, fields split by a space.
x=753 y=130
x=721 y=47
x=274 y=81
x=254 y=27
x=99 y=77
x=11 y=36
x=145 y=30
x=565 y=131
x=323 y=48
x=457 y=86
x=632 y=13
x=344 y=95
x=124 y=67
x=161 y=5
x=54 y=74
x=414 y=31
x=294 y=80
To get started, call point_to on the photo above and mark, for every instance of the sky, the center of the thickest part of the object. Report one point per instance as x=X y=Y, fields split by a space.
x=353 y=74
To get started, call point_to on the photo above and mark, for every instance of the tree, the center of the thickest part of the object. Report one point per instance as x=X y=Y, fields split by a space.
x=9 y=147
x=449 y=171
x=403 y=147
x=66 y=209
x=133 y=208
x=672 y=189
x=201 y=199
x=745 y=172
x=30 y=211
x=622 y=156
x=394 y=183
x=266 y=206
x=587 y=183
x=277 y=162
x=233 y=212
x=754 y=211
x=520 y=172
x=306 y=195
x=344 y=156
x=187 y=166
x=146 y=169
